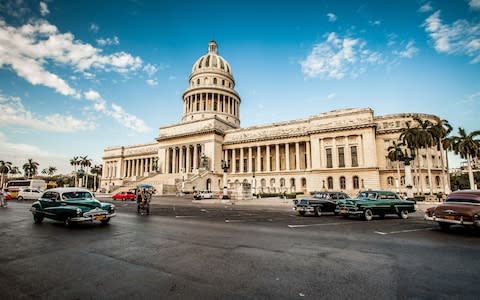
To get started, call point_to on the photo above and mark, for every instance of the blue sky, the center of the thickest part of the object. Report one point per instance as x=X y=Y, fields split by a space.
x=79 y=76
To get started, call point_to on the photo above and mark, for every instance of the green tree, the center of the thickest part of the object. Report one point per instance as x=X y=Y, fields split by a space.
x=15 y=171
x=96 y=170
x=440 y=131
x=395 y=153
x=85 y=162
x=75 y=162
x=30 y=168
x=409 y=138
x=5 y=167
x=468 y=148
x=51 y=170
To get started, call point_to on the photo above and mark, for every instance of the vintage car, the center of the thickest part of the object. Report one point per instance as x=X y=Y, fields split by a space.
x=315 y=206
x=330 y=195
x=370 y=203
x=71 y=205
x=461 y=207
x=29 y=194
x=124 y=196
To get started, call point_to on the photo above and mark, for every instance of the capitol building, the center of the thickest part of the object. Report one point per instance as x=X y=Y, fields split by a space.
x=341 y=150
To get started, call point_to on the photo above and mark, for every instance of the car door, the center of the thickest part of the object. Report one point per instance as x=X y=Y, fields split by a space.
x=49 y=202
x=34 y=194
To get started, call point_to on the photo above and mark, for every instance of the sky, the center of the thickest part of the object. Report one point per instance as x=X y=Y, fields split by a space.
x=79 y=76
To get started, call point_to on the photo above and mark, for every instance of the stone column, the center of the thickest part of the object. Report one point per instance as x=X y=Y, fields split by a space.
x=297 y=156
x=259 y=159
x=188 y=168
x=242 y=165
x=234 y=161
x=250 y=161
x=174 y=160
x=167 y=161
x=287 y=156
x=277 y=157
x=195 y=156
x=309 y=159
x=142 y=166
x=268 y=158
x=181 y=168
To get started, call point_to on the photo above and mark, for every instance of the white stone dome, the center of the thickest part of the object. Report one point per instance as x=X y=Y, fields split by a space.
x=211 y=61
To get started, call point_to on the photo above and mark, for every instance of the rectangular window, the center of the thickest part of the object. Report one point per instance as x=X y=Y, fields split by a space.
x=329 y=158
x=353 y=150
x=341 y=157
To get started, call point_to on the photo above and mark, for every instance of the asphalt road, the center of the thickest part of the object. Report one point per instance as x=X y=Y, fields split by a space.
x=199 y=251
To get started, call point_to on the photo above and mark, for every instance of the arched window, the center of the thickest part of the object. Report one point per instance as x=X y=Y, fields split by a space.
x=214 y=80
x=272 y=182
x=292 y=182
x=263 y=182
x=209 y=185
x=205 y=80
x=198 y=81
x=402 y=180
x=282 y=182
x=437 y=181
x=390 y=181
x=223 y=82
x=304 y=182
x=342 y=183
x=427 y=182
x=356 y=185
x=330 y=183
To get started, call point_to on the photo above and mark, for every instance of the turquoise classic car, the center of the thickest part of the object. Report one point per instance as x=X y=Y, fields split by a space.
x=71 y=205
x=370 y=203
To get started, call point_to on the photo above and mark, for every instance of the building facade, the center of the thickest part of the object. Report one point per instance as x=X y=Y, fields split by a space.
x=343 y=150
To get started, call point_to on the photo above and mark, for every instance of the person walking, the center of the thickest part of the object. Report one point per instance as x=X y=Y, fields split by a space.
x=3 y=203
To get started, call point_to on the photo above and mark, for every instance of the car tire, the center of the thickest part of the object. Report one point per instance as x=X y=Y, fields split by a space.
x=105 y=221
x=20 y=198
x=301 y=213
x=368 y=214
x=403 y=214
x=318 y=211
x=444 y=225
x=37 y=218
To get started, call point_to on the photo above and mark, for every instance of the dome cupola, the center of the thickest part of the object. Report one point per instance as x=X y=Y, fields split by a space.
x=211 y=91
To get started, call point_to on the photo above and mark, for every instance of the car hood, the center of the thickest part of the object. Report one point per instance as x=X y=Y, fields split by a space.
x=84 y=204
x=456 y=209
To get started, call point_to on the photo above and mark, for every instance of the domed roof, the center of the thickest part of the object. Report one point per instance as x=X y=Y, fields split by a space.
x=211 y=60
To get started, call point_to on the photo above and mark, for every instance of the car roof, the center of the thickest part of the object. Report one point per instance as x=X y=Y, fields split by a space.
x=68 y=190
x=465 y=194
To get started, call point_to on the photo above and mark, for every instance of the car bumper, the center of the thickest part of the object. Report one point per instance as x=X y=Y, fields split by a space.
x=348 y=211
x=449 y=221
x=304 y=208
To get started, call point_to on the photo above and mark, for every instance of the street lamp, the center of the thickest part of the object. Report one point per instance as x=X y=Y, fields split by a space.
x=225 y=167
x=408 y=172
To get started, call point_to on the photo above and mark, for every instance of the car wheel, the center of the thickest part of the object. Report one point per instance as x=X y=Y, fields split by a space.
x=301 y=213
x=105 y=221
x=444 y=226
x=403 y=214
x=318 y=211
x=20 y=198
x=367 y=215
x=37 y=218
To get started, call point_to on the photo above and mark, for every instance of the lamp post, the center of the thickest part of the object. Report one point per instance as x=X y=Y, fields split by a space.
x=408 y=172
x=225 y=167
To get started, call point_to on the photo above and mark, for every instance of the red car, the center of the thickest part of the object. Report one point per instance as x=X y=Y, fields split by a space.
x=124 y=196
x=8 y=197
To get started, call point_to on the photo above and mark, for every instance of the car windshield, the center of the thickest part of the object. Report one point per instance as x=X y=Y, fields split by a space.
x=366 y=195
x=76 y=195
x=304 y=202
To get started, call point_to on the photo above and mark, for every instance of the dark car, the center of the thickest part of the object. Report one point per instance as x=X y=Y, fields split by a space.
x=461 y=208
x=71 y=205
x=370 y=203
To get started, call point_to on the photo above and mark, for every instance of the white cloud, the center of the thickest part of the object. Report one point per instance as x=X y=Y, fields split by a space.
x=152 y=82
x=44 y=9
x=12 y=112
x=150 y=69
x=426 y=7
x=474 y=4
x=459 y=38
x=331 y=17
x=108 y=41
x=92 y=95
x=336 y=58
x=93 y=28
x=331 y=95
x=409 y=52
x=375 y=23
x=29 y=49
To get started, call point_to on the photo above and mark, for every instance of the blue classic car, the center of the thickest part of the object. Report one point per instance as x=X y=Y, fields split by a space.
x=71 y=205
x=370 y=203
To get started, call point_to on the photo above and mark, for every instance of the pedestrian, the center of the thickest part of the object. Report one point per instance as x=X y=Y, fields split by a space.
x=2 y=199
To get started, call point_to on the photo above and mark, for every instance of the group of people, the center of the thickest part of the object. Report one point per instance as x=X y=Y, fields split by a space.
x=144 y=197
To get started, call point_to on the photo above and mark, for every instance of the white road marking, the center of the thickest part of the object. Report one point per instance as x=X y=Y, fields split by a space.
x=185 y=216
x=234 y=221
x=379 y=232
x=404 y=231
x=322 y=224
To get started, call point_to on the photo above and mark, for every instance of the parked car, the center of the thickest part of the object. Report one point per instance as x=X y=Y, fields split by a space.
x=124 y=196
x=315 y=206
x=29 y=194
x=71 y=205
x=199 y=195
x=370 y=203
x=330 y=195
x=461 y=207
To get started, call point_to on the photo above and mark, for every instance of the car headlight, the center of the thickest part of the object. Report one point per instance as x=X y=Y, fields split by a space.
x=79 y=212
x=112 y=208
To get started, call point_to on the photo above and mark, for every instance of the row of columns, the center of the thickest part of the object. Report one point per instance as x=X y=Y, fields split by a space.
x=269 y=158
x=110 y=169
x=138 y=166
x=211 y=102
x=183 y=159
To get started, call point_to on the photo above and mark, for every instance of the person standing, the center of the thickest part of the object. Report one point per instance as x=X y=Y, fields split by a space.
x=2 y=199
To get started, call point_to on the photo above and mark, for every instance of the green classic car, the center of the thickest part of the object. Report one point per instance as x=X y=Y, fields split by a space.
x=370 y=203
x=71 y=205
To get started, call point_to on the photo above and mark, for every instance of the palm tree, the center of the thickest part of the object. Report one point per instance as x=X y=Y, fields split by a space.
x=97 y=170
x=75 y=162
x=45 y=171
x=425 y=141
x=15 y=170
x=440 y=131
x=468 y=148
x=395 y=153
x=86 y=163
x=409 y=139
x=51 y=170
x=30 y=168
x=5 y=167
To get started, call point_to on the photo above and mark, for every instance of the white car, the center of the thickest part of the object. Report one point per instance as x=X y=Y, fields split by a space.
x=203 y=195
x=29 y=194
